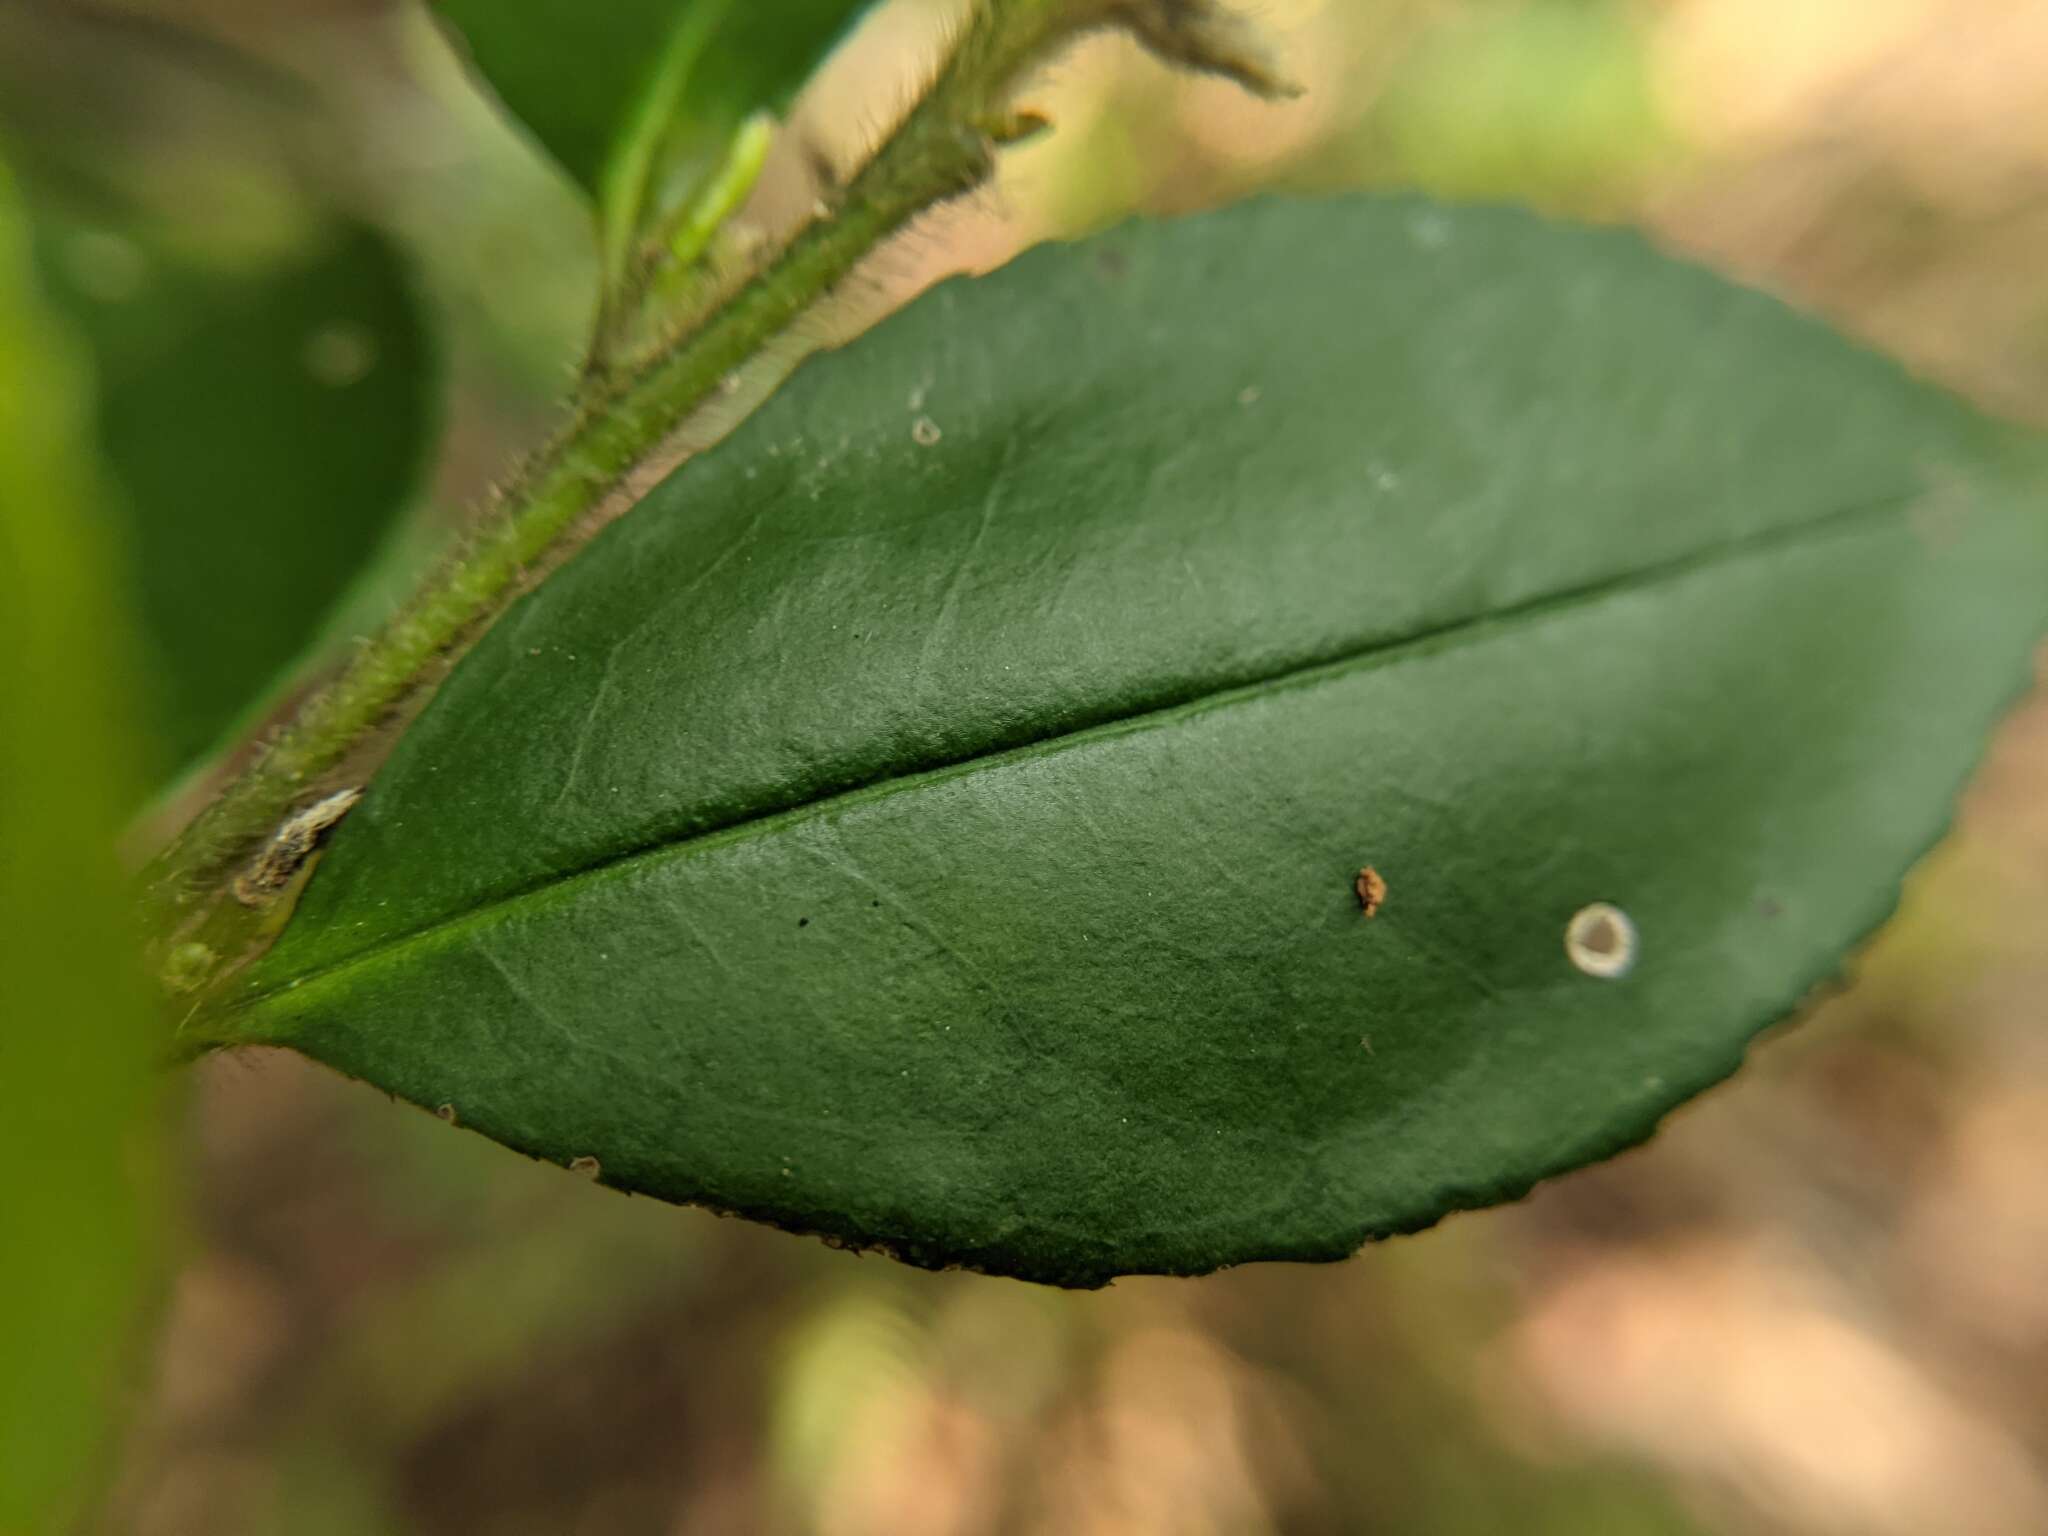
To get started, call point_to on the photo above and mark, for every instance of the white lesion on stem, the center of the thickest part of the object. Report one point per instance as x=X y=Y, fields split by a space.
x=295 y=841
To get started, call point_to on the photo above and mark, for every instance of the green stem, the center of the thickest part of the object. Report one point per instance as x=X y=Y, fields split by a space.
x=669 y=277
x=943 y=148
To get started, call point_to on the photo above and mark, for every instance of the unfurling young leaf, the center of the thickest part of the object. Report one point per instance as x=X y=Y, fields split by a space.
x=645 y=103
x=938 y=818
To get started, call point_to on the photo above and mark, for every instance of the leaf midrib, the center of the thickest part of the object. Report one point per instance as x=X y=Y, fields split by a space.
x=1377 y=653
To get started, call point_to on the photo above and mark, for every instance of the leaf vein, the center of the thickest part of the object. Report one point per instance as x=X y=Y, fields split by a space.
x=1466 y=629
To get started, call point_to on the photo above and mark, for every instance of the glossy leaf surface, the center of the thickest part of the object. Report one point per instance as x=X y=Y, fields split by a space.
x=78 y=1073
x=935 y=817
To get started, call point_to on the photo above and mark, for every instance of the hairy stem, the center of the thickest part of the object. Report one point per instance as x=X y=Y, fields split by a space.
x=943 y=147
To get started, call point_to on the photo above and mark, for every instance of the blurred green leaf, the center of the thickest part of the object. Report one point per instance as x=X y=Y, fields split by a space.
x=266 y=422
x=1550 y=100
x=78 y=1221
x=641 y=101
x=937 y=811
x=267 y=387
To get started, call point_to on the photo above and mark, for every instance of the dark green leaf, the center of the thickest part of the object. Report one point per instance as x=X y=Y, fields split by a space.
x=77 y=1078
x=644 y=89
x=935 y=818
x=265 y=424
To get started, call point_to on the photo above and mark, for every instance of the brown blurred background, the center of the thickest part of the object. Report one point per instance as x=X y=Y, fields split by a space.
x=1817 y=1303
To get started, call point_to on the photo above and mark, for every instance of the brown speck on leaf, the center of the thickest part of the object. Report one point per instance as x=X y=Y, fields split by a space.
x=294 y=842
x=587 y=1166
x=446 y=1112
x=1372 y=891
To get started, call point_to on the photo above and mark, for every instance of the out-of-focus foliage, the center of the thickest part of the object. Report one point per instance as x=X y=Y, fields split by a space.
x=264 y=427
x=81 y=1208
x=265 y=389
x=1551 y=101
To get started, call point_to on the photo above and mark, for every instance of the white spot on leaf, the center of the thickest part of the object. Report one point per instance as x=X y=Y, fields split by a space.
x=1601 y=941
